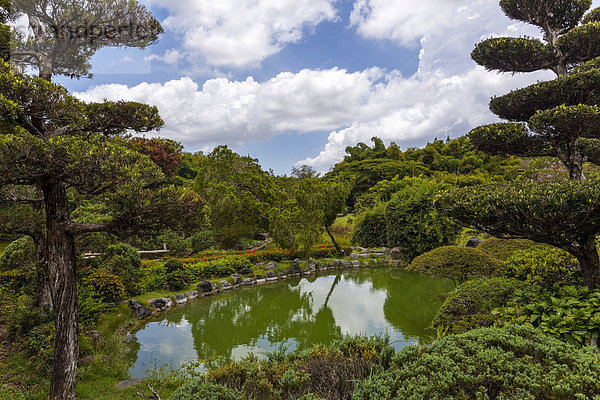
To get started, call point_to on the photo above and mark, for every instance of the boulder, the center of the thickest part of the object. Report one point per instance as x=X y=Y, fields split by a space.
x=272 y=266
x=346 y=264
x=356 y=264
x=226 y=285
x=353 y=256
x=296 y=263
x=180 y=298
x=306 y=272
x=290 y=272
x=161 y=303
x=335 y=262
x=205 y=287
x=397 y=252
x=260 y=279
x=247 y=282
x=192 y=294
x=312 y=264
x=139 y=309
x=215 y=288
x=271 y=274
x=473 y=242
x=236 y=279
x=238 y=247
x=261 y=236
x=364 y=255
x=246 y=271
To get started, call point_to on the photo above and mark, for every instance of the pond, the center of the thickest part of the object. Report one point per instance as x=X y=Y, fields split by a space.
x=292 y=314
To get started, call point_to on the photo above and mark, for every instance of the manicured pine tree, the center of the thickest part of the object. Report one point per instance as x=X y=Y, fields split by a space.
x=556 y=118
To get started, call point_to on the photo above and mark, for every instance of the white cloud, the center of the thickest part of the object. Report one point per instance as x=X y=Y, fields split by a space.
x=169 y=57
x=239 y=33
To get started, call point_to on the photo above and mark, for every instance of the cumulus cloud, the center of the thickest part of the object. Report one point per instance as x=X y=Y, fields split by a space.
x=239 y=33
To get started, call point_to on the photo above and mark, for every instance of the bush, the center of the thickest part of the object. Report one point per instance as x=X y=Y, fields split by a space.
x=456 y=263
x=90 y=306
x=370 y=228
x=176 y=280
x=106 y=285
x=197 y=389
x=503 y=248
x=176 y=243
x=203 y=240
x=471 y=304
x=23 y=316
x=124 y=261
x=20 y=254
x=514 y=362
x=543 y=265
x=173 y=264
x=413 y=223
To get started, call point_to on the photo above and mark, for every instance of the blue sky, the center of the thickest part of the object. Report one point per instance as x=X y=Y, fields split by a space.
x=294 y=82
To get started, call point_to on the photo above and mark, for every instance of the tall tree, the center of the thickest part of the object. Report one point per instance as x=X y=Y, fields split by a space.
x=549 y=118
x=65 y=34
x=54 y=142
x=562 y=119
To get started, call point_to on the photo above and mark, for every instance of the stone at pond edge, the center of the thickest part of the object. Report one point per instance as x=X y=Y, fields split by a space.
x=236 y=279
x=246 y=271
x=226 y=285
x=161 y=303
x=180 y=298
x=271 y=274
x=247 y=282
x=205 y=287
x=397 y=252
x=192 y=294
x=272 y=266
x=356 y=263
x=353 y=256
x=473 y=242
x=346 y=264
x=139 y=309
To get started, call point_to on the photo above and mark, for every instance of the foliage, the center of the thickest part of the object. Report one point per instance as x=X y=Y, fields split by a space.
x=370 y=228
x=91 y=305
x=203 y=240
x=124 y=261
x=106 y=285
x=513 y=362
x=562 y=214
x=457 y=263
x=175 y=242
x=20 y=254
x=176 y=280
x=501 y=249
x=165 y=153
x=570 y=313
x=543 y=265
x=173 y=264
x=199 y=390
x=470 y=305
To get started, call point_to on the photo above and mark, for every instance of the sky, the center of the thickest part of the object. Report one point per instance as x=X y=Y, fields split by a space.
x=294 y=82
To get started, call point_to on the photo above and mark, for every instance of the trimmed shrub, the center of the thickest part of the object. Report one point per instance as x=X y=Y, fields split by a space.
x=124 y=261
x=513 y=362
x=197 y=389
x=173 y=264
x=203 y=240
x=370 y=230
x=20 y=254
x=456 y=263
x=470 y=305
x=106 y=285
x=543 y=265
x=176 y=243
x=176 y=280
x=503 y=248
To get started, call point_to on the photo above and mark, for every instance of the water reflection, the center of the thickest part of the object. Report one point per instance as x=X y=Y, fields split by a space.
x=297 y=313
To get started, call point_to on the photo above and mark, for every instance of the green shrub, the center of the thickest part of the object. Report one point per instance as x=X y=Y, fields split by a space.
x=471 y=304
x=219 y=267
x=412 y=221
x=456 y=263
x=90 y=306
x=176 y=280
x=197 y=389
x=543 y=265
x=106 y=285
x=19 y=255
x=173 y=264
x=124 y=261
x=571 y=313
x=175 y=242
x=23 y=316
x=10 y=393
x=153 y=275
x=503 y=248
x=203 y=240
x=514 y=362
x=370 y=229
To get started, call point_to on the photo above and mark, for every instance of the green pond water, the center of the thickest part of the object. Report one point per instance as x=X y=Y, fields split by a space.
x=295 y=313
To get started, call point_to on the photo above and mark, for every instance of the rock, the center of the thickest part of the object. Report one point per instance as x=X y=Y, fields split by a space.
x=377 y=254
x=272 y=266
x=353 y=256
x=364 y=255
x=226 y=285
x=247 y=282
x=356 y=264
x=238 y=247
x=271 y=275
x=296 y=263
x=139 y=309
x=346 y=264
x=260 y=279
x=283 y=276
x=397 y=252
x=385 y=250
x=312 y=265
x=161 y=303
x=180 y=298
x=246 y=271
x=192 y=294
x=473 y=242
x=290 y=272
x=128 y=383
x=236 y=279
x=215 y=288
x=335 y=262
x=306 y=272
x=261 y=236
x=205 y=287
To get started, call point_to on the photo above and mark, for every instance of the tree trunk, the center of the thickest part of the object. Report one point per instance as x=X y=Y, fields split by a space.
x=44 y=295
x=337 y=247
x=60 y=253
x=589 y=262
x=572 y=158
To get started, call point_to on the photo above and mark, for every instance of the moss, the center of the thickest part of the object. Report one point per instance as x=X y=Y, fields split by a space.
x=456 y=263
x=470 y=305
